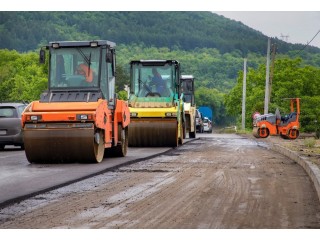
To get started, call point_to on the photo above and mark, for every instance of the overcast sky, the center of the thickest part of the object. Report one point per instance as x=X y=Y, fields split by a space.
x=291 y=26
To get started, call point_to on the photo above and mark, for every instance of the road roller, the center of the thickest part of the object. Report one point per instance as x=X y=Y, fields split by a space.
x=78 y=118
x=189 y=106
x=155 y=104
x=286 y=126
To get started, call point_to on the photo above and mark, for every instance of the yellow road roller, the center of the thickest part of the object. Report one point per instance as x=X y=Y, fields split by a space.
x=155 y=104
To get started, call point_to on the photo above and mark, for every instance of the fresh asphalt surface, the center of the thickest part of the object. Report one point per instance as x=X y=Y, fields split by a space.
x=19 y=179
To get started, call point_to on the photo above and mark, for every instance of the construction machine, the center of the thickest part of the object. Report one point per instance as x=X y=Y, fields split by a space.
x=189 y=106
x=287 y=126
x=79 y=118
x=155 y=103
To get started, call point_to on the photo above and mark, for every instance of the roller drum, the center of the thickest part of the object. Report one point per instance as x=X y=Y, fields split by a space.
x=260 y=132
x=255 y=132
x=63 y=145
x=153 y=133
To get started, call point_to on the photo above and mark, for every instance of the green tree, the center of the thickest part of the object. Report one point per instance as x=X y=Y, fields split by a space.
x=22 y=79
x=292 y=79
x=213 y=99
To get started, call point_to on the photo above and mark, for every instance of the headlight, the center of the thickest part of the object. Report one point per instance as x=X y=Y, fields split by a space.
x=133 y=114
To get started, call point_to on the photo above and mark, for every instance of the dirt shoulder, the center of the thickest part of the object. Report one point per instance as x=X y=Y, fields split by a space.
x=305 y=151
x=305 y=146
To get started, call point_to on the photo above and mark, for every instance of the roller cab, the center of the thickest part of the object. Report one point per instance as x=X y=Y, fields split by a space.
x=78 y=119
x=156 y=104
x=189 y=106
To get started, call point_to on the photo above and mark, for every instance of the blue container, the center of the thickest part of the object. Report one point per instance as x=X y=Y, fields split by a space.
x=206 y=112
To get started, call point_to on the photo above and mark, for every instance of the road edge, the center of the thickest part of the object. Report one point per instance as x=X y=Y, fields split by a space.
x=311 y=169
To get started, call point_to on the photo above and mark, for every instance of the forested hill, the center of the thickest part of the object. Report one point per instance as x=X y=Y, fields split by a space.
x=24 y=31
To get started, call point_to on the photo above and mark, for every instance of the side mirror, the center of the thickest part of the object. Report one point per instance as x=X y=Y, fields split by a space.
x=42 y=57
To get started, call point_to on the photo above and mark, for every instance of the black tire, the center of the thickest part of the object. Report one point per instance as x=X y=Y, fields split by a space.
x=122 y=147
x=192 y=134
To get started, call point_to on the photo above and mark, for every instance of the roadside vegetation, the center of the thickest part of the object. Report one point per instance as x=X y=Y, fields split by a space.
x=213 y=53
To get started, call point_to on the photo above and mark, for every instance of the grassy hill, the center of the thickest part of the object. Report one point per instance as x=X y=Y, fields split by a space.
x=208 y=46
x=24 y=31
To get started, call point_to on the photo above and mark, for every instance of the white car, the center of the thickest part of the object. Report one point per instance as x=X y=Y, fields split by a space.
x=207 y=125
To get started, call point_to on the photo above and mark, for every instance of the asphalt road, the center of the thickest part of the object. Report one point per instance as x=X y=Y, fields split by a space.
x=20 y=179
x=217 y=181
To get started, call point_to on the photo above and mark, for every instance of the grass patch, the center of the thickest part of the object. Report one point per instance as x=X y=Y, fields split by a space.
x=228 y=130
x=309 y=142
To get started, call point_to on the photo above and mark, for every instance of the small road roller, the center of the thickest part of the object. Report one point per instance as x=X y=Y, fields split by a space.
x=287 y=126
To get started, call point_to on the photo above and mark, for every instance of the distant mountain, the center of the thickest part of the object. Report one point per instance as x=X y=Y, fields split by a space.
x=25 y=31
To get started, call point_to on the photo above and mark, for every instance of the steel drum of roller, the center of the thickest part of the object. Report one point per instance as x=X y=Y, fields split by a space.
x=146 y=132
x=260 y=132
x=64 y=145
x=255 y=132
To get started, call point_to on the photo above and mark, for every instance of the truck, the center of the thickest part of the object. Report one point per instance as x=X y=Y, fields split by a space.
x=207 y=115
x=189 y=106
x=78 y=118
x=206 y=111
x=286 y=126
x=155 y=104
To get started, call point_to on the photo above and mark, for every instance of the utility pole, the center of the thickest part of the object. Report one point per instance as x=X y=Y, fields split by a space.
x=266 y=96
x=244 y=89
x=273 y=56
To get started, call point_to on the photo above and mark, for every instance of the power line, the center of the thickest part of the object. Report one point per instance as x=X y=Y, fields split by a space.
x=309 y=42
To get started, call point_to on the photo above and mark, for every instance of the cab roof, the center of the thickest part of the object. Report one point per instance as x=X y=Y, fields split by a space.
x=82 y=43
x=154 y=62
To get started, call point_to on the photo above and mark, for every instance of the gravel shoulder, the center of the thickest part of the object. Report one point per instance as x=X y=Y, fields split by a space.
x=305 y=151
x=305 y=146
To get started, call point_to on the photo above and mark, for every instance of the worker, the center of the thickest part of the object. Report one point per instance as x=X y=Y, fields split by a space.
x=157 y=80
x=84 y=70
